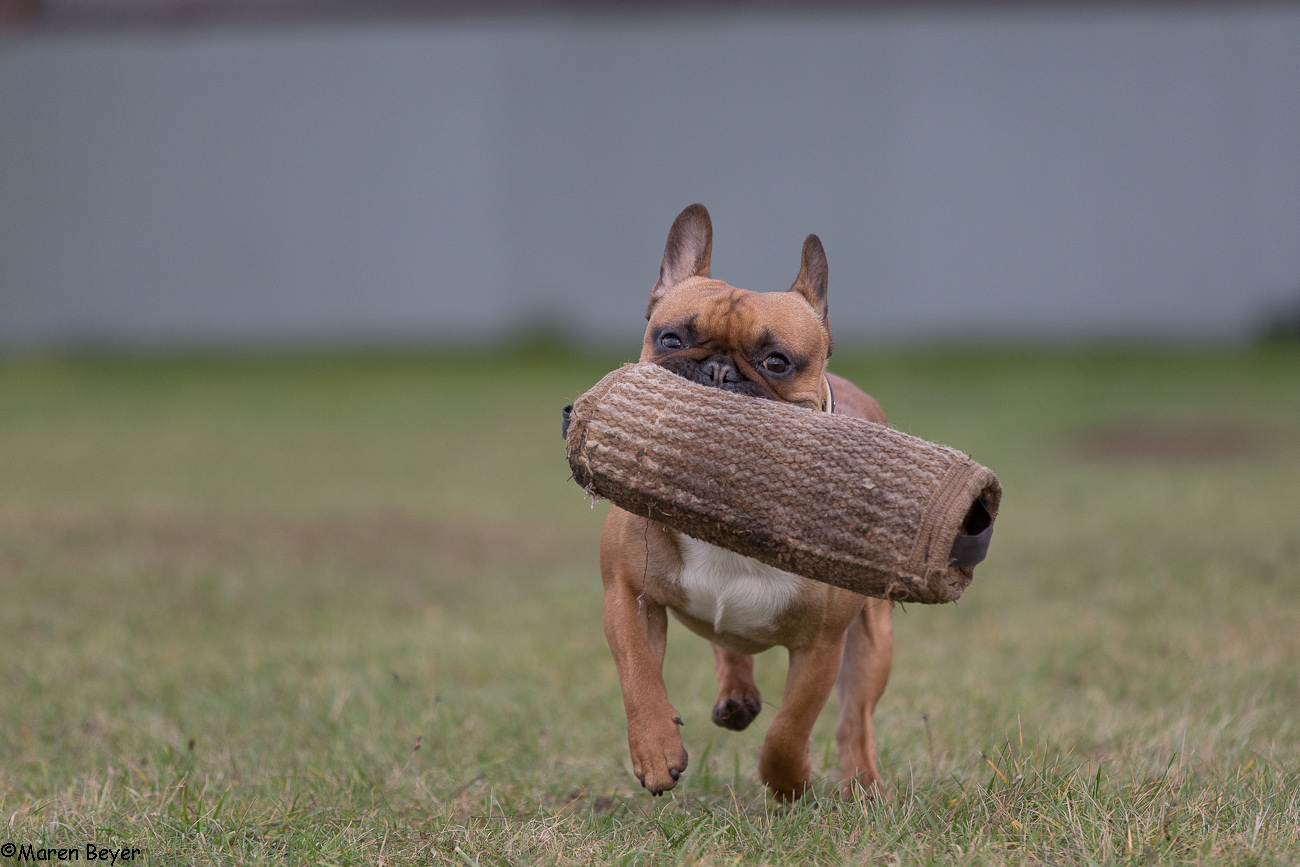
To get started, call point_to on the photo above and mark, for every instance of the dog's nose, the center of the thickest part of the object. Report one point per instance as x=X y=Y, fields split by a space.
x=719 y=370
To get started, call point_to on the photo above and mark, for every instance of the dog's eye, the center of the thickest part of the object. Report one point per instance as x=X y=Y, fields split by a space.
x=670 y=341
x=776 y=363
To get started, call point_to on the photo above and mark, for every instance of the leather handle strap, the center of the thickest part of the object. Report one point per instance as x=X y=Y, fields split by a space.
x=970 y=548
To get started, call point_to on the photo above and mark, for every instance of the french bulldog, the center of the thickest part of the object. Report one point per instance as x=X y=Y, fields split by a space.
x=772 y=346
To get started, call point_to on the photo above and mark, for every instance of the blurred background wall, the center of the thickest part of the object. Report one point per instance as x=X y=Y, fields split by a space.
x=1044 y=171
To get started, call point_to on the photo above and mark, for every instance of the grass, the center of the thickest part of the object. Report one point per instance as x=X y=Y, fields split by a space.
x=345 y=610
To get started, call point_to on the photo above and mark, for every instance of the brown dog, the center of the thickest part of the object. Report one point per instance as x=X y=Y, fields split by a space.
x=770 y=345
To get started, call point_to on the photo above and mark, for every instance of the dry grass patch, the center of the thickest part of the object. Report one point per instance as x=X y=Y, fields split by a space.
x=347 y=612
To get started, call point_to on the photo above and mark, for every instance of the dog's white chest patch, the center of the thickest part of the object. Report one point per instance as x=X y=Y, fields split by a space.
x=735 y=593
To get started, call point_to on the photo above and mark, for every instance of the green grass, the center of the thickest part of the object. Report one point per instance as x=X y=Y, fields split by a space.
x=346 y=611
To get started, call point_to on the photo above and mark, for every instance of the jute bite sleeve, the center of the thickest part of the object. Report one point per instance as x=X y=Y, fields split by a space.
x=836 y=499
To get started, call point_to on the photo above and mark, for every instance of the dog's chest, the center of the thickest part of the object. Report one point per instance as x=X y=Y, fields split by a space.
x=737 y=594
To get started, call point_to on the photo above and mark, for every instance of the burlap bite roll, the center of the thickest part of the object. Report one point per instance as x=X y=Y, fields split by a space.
x=837 y=499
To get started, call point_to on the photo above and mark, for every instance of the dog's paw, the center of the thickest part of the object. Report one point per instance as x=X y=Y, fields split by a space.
x=787 y=777
x=869 y=789
x=658 y=757
x=790 y=791
x=737 y=711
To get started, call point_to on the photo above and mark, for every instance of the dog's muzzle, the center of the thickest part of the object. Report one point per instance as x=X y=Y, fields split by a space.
x=716 y=371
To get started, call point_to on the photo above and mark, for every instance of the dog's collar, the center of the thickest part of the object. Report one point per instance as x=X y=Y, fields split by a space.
x=828 y=396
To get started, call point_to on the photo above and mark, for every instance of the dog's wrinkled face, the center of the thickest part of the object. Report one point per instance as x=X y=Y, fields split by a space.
x=771 y=345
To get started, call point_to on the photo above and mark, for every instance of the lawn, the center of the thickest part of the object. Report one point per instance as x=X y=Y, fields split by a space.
x=346 y=610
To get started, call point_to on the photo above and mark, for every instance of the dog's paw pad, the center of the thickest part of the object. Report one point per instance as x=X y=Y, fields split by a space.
x=736 y=715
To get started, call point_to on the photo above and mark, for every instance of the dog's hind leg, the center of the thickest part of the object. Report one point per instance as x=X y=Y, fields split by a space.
x=738 y=699
x=864 y=672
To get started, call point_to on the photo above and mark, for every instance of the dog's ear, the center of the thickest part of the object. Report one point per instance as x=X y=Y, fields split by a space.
x=687 y=253
x=811 y=282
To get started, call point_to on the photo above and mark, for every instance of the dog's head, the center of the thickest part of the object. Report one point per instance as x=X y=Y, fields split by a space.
x=766 y=344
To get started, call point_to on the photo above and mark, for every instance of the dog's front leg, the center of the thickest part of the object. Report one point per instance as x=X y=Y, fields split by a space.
x=868 y=652
x=637 y=631
x=784 y=764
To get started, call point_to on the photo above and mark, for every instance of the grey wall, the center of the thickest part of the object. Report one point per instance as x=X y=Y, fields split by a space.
x=998 y=172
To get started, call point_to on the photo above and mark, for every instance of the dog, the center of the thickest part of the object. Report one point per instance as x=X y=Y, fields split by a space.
x=770 y=345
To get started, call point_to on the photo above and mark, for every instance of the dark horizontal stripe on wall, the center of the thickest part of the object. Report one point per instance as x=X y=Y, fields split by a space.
x=93 y=14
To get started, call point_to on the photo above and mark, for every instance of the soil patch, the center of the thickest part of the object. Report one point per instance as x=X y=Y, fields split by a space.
x=368 y=542
x=1189 y=443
